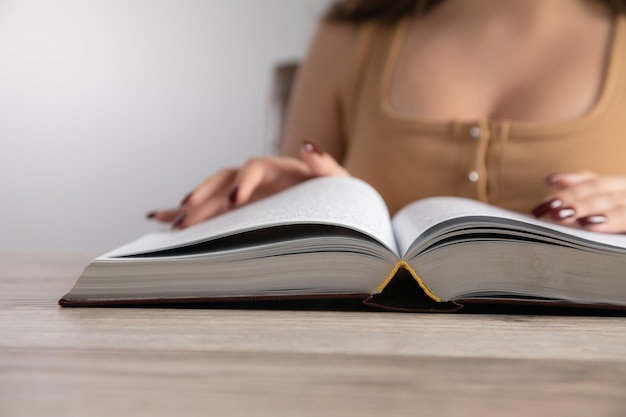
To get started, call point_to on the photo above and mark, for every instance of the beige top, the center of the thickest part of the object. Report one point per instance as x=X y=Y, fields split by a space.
x=501 y=162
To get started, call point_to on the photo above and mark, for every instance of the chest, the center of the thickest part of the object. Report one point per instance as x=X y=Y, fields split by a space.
x=455 y=75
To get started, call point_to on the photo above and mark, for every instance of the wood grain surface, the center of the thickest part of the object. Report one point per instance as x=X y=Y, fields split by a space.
x=225 y=362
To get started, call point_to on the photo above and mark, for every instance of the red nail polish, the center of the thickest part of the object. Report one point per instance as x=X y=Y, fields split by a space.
x=592 y=220
x=232 y=197
x=151 y=215
x=542 y=209
x=179 y=220
x=186 y=199
x=562 y=214
x=311 y=148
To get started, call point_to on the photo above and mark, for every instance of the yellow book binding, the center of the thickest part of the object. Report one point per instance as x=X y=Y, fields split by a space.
x=403 y=264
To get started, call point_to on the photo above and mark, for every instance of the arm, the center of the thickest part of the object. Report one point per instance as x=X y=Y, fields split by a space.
x=314 y=111
x=313 y=123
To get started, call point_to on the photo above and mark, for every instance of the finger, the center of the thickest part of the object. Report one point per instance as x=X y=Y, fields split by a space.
x=261 y=177
x=208 y=200
x=320 y=163
x=590 y=189
x=586 y=203
x=258 y=178
x=611 y=221
x=194 y=215
x=598 y=208
x=561 y=202
x=598 y=204
x=590 y=210
x=564 y=180
x=247 y=181
x=215 y=184
x=165 y=216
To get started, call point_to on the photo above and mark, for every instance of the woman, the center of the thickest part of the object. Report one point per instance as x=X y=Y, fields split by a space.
x=518 y=103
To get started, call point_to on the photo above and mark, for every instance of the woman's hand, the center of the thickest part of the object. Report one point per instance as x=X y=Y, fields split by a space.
x=258 y=178
x=597 y=203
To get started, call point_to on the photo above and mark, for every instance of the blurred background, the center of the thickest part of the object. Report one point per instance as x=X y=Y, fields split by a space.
x=112 y=108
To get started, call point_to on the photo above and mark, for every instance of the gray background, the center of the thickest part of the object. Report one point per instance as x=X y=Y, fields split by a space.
x=111 y=108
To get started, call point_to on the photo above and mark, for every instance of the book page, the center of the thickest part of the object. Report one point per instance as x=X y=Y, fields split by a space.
x=416 y=218
x=340 y=201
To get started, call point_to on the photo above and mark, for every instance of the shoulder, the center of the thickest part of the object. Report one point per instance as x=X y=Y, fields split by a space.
x=336 y=48
x=340 y=39
x=314 y=110
x=332 y=44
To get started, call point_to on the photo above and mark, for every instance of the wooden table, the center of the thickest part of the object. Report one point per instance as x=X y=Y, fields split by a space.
x=198 y=362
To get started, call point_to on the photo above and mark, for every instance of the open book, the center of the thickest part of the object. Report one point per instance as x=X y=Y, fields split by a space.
x=333 y=237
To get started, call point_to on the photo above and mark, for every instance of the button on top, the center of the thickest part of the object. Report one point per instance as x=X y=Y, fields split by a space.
x=473 y=176
x=475 y=132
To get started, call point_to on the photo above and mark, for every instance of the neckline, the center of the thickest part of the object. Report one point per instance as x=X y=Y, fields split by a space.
x=602 y=101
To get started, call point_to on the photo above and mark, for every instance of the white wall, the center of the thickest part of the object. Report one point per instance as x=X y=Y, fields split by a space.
x=112 y=108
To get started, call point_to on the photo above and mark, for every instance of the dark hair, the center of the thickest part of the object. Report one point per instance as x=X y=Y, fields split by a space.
x=357 y=11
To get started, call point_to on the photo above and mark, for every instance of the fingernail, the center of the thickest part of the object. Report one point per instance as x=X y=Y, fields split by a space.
x=543 y=208
x=232 y=197
x=186 y=199
x=311 y=148
x=151 y=215
x=562 y=214
x=179 y=220
x=551 y=180
x=592 y=220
